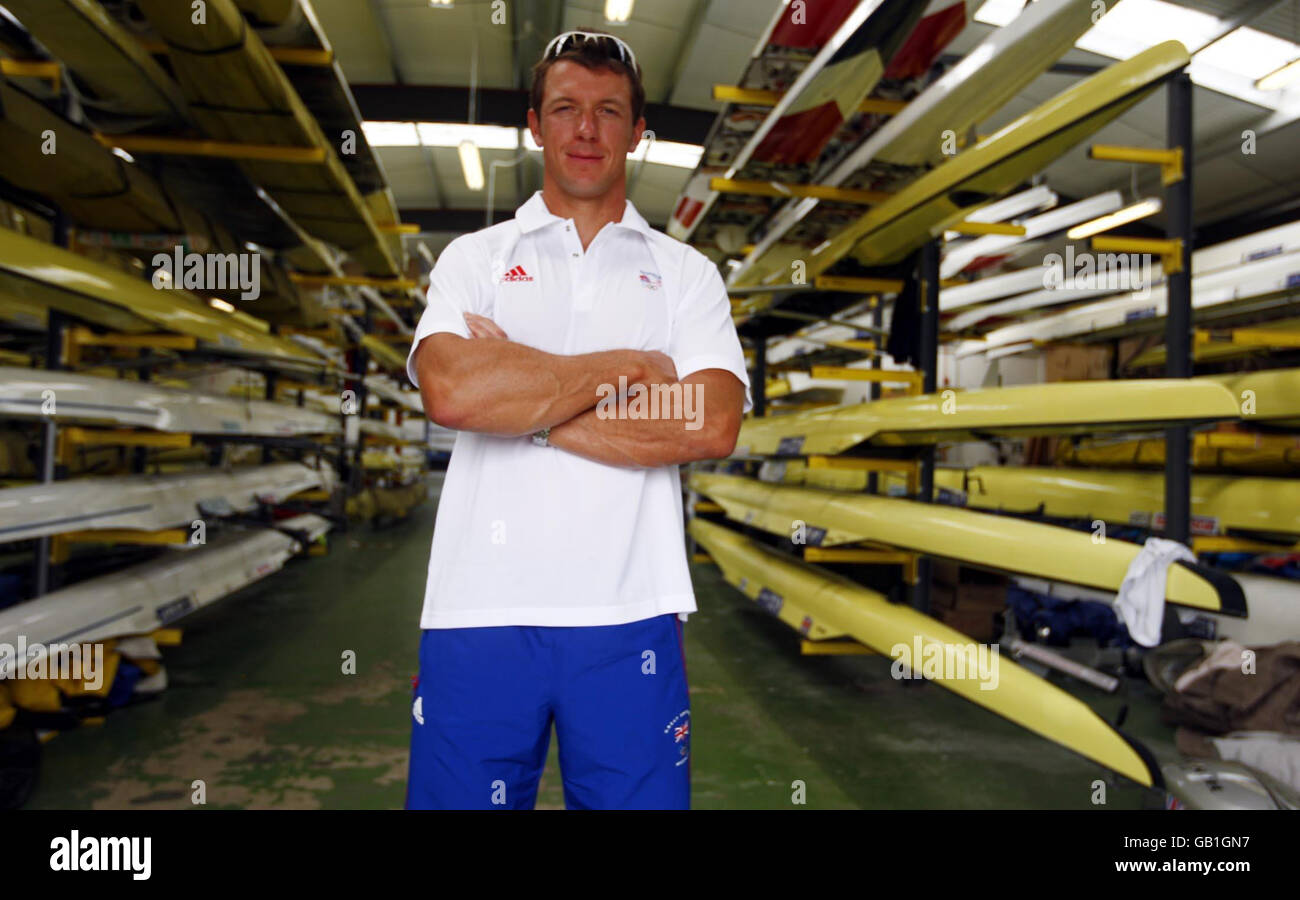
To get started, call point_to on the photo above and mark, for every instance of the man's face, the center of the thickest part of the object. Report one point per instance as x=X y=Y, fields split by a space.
x=585 y=128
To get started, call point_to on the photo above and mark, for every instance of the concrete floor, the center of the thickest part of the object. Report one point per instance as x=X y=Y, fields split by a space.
x=259 y=710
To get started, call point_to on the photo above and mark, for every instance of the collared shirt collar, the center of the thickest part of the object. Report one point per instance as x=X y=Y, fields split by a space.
x=534 y=214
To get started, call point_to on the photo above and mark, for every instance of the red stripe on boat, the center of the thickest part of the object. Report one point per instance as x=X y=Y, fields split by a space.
x=819 y=20
x=926 y=42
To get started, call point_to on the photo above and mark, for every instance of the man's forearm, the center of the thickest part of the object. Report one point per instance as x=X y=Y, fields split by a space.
x=501 y=387
x=632 y=443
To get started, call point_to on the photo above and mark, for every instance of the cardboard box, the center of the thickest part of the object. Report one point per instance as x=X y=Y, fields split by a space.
x=979 y=625
x=1078 y=362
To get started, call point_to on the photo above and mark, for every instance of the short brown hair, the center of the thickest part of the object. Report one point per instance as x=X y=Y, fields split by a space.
x=590 y=55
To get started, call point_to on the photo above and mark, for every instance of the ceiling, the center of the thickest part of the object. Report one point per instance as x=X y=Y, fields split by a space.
x=392 y=51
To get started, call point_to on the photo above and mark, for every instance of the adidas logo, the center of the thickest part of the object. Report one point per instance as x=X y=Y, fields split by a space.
x=517 y=274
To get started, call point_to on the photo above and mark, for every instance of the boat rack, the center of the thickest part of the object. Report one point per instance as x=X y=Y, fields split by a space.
x=749 y=304
x=66 y=340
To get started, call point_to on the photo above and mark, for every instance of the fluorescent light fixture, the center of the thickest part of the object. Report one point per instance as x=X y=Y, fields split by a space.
x=439 y=134
x=1140 y=210
x=485 y=137
x=1235 y=65
x=672 y=153
x=472 y=165
x=441 y=4
x=1131 y=26
x=118 y=151
x=618 y=11
x=390 y=134
x=220 y=304
x=1247 y=52
x=1280 y=78
x=999 y=12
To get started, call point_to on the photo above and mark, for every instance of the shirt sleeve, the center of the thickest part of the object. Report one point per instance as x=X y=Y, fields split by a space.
x=704 y=337
x=453 y=291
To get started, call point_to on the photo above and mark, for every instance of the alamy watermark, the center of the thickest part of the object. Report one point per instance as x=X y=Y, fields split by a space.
x=179 y=270
x=40 y=662
x=940 y=660
x=656 y=401
x=1098 y=271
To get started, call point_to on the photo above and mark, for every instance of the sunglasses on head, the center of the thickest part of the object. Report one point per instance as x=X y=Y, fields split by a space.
x=558 y=43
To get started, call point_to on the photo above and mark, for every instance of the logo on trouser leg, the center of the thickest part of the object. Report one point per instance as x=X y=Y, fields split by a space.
x=418 y=710
x=680 y=730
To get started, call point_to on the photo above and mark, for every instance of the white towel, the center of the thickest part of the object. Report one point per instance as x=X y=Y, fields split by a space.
x=1140 y=603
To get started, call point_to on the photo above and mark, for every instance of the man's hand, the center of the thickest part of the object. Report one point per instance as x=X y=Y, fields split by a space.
x=658 y=368
x=482 y=326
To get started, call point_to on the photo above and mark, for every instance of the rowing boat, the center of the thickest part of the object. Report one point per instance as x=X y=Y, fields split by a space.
x=68 y=397
x=831 y=518
x=911 y=142
x=829 y=605
x=948 y=193
x=142 y=598
x=818 y=64
x=237 y=92
x=55 y=278
x=1220 y=504
x=149 y=502
x=1058 y=408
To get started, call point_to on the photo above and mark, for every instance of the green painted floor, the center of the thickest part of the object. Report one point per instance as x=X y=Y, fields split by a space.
x=261 y=713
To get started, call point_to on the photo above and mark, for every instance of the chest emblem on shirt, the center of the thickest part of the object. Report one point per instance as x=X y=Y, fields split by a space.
x=650 y=280
x=517 y=274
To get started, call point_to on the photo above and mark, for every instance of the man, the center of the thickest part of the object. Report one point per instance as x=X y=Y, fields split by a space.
x=558 y=569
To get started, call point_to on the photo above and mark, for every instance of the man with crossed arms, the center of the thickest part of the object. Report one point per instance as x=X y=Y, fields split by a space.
x=558 y=578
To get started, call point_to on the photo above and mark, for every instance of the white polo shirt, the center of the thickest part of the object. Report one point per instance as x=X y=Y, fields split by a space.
x=529 y=535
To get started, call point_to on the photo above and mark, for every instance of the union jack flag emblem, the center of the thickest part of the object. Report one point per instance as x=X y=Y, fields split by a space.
x=679 y=733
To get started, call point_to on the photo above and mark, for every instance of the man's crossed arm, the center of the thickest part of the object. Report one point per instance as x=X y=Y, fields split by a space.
x=492 y=385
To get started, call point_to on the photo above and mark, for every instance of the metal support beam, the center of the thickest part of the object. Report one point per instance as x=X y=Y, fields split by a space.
x=1178 y=322
x=877 y=325
x=928 y=276
x=49 y=444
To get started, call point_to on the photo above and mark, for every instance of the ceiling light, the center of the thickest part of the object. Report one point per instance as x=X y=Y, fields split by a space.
x=618 y=11
x=1132 y=26
x=1140 y=210
x=1280 y=78
x=220 y=304
x=441 y=4
x=472 y=165
x=672 y=153
x=390 y=134
x=999 y=12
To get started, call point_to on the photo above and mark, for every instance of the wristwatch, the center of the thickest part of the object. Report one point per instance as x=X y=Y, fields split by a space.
x=542 y=438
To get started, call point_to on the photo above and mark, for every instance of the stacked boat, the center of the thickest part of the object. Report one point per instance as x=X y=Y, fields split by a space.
x=810 y=498
x=171 y=432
